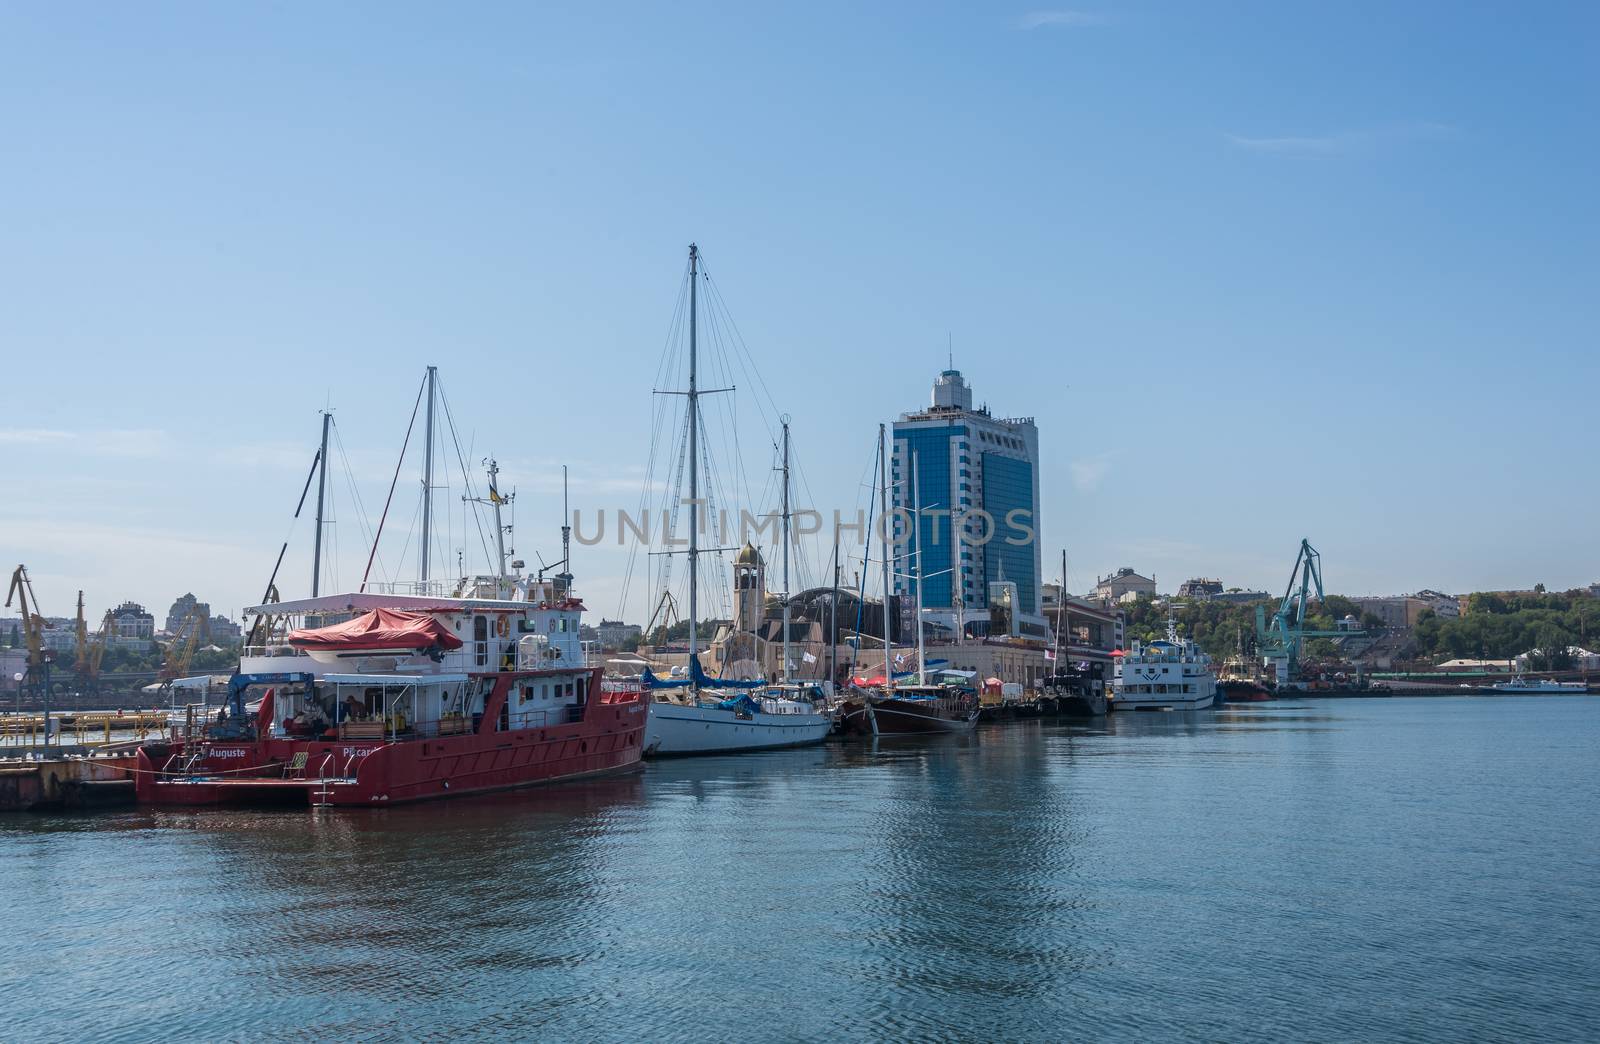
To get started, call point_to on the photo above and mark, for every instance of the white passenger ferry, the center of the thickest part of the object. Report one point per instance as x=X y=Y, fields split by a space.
x=1166 y=674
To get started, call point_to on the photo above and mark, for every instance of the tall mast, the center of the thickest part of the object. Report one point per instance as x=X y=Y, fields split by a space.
x=499 y=528
x=916 y=536
x=786 y=549
x=1061 y=611
x=833 y=619
x=566 y=534
x=888 y=543
x=694 y=457
x=427 y=477
x=322 y=489
x=958 y=581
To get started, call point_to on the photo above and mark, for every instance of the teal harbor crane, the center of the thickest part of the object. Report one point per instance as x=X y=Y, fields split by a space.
x=1280 y=639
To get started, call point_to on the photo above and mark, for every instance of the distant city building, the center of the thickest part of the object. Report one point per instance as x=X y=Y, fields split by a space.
x=1205 y=590
x=967 y=462
x=1200 y=589
x=185 y=607
x=222 y=629
x=1124 y=586
x=12 y=663
x=61 y=639
x=1236 y=596
x=131 y=621
x=1442 y=604
x=613 y=634
x=1402 y=612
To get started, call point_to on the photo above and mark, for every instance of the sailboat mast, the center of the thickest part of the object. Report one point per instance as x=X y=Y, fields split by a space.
x=833 y=620
x=958 y=582
x=427 y=478
x=322 y=489
x=786 y=550
x=916 y=536
x=694 y=456
x=888 y=543
x=1061 y=611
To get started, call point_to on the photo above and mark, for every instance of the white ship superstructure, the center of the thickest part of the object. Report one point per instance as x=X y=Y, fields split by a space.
x=1167 y=674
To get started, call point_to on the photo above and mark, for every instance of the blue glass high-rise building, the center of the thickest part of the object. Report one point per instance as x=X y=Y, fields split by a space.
x=985 y=471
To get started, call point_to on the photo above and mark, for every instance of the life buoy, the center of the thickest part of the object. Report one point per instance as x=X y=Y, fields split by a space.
x=502 y=626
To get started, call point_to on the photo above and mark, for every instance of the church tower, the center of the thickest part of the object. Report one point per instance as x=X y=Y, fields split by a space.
x=749 y=589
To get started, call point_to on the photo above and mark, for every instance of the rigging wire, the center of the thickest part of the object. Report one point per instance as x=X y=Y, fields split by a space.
x=466 y=479
x=362 y=515
x=388 y=500
x=659 y=412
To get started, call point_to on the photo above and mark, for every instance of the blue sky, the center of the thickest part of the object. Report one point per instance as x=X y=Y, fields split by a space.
x=1260 y=270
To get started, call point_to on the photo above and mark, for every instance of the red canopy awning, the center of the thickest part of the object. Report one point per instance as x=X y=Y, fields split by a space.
x=378 y=629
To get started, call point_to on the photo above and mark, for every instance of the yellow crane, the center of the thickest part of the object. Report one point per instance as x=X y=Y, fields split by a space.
x=181 y=649
x=91 y=650
x=32 y=625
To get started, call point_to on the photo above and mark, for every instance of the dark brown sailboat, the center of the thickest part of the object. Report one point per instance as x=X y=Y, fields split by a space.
x=882 y=708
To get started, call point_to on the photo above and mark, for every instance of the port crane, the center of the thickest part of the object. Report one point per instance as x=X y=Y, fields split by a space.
x=37 y=676
x=181 y=650
x=1281 y=638
x=91 y=650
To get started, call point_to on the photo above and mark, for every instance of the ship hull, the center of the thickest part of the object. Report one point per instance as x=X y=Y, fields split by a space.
x=1146 y=703
x=368 y=774
x=888 y=716
x=677 y=730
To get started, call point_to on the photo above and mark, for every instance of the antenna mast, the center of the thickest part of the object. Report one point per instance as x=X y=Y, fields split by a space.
x=786 y=549
x=694 y=458
x=566 y=532
x=322 y=489
x=427 y=477
x=888 y=542
x=916 y=536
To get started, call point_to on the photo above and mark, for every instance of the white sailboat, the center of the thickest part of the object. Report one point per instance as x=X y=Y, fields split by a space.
x=701 y=715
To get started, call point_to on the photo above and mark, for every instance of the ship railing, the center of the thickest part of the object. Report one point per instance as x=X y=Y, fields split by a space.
x=539 y=719
x=424 y=588
x=456 y=724
x=272 y=649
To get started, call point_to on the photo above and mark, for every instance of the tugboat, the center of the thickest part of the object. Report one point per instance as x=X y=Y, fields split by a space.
x=425 y=690
x=1239 y=682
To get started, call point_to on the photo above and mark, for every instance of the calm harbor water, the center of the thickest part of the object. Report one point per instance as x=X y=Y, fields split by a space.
x=1334 y=870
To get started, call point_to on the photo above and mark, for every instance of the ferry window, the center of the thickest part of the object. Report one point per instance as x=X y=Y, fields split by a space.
x=480 y=637
x=552 y=626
